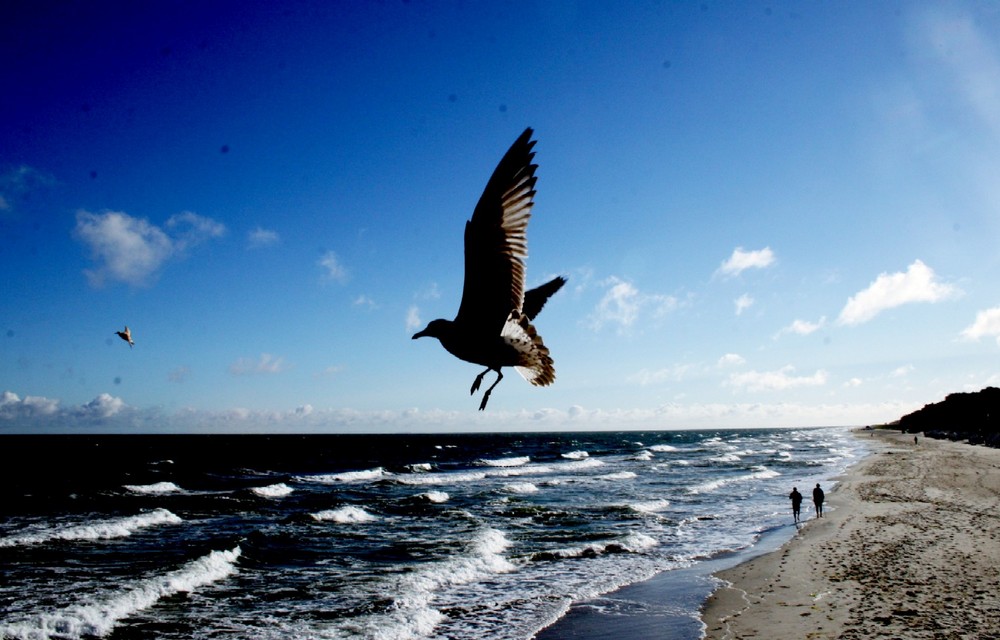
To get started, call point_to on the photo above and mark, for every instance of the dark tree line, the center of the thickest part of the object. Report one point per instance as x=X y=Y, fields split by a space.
x=960 y=416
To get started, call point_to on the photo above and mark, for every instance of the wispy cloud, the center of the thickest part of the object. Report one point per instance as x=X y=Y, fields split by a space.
x=413 y=319
x=266 y=363
x=646 y=377
x=987 y=323
x=802 y=327
x=132 y=250
x=743 y=303
x=779 y=380
x=179 y=374
x=731 y=360
x=623 y=304
x=16 y=185
x=333 y=269
x=364 y=301
x=260 y=237
x=742 y=260
x=889 y=290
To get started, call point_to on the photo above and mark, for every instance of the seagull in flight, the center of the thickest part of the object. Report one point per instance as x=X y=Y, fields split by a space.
x=493 y=326
x=126 y=335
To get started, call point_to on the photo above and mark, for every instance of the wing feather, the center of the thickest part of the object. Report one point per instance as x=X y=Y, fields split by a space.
x=496 y=242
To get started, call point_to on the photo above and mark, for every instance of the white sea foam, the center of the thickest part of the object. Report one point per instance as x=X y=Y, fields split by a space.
x=649 y=506
x=348 y=476
x=643 y=456
x=663 y=448
x=520 y=487
x=344 y=515
x=94 y=530
x=619 y=475
x=100 y=617
x=505 y=462
x=579 y=465
x=413 y=614
x=576 y=455
x=419 y=467
x=757 y=473
x=726 y=458
x=155 y=488
x=632 y=542
x=279 y=490
x=435 y=496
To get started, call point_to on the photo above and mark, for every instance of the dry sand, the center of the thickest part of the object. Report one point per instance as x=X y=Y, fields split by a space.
x=909 y=547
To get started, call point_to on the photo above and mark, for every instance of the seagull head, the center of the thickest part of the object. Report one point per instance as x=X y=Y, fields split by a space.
x=435 y=329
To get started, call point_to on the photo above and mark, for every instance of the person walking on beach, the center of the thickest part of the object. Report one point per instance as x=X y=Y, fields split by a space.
x=796 y=502
x=818 y=500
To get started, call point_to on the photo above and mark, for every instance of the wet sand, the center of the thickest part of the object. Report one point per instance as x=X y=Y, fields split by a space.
x=909 y=548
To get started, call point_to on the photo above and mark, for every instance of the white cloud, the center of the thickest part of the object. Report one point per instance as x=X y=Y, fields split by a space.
x=622 y=305
x=334 y=269
x=775 y=380
x=901 y=372
x=854 y=382
x=24 y=416
x=671 y=374
x=12 y=407
x=364 y=301
x=743 y=303
x=266 y=363
x=742 y=260
x=802 y=327
x=101 y=407
x=731 y=360
x=330 y=371
x=260 y=237
x=413 y=319
x=190 y=229
x=131 y=250
x=890 y=290
x=987 y=323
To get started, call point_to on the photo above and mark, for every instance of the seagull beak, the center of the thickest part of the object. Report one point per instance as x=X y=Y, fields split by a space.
x=419 y=334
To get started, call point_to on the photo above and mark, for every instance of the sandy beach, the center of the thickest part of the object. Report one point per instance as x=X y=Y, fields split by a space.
x=909 y=548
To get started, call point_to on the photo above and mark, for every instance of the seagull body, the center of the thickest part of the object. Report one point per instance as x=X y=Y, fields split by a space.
x=126 y=335
x=493 y=326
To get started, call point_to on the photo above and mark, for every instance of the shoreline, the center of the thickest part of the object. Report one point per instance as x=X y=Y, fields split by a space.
x=908 y=548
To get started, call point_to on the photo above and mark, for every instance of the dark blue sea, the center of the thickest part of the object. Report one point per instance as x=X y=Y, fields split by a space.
x=384 y=537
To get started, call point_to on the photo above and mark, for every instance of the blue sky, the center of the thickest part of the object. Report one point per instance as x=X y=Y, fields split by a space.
x=770 y=214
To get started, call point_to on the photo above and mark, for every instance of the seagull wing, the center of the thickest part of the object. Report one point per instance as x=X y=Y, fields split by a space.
x=536 y=298
x=496 y=242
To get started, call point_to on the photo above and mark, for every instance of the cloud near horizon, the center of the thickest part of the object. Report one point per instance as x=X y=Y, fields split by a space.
x=132 y=250
x=890 y=290
x=775 y=380
x=742 y=260
x=108 y=414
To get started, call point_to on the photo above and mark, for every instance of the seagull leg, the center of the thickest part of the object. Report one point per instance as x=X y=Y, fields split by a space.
x=486 y=396
x=478 y=381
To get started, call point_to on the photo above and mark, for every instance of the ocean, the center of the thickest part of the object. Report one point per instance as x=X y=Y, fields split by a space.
x=386 y=537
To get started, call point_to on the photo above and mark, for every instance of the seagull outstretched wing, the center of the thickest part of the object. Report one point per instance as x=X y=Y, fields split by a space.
x=496 y=242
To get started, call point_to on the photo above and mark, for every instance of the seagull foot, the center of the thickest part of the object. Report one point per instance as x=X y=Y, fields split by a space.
x=486 y=398
x=477 y=382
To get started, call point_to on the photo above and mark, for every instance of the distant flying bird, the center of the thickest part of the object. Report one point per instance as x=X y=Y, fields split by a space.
x=126 y=335
x=493 y=327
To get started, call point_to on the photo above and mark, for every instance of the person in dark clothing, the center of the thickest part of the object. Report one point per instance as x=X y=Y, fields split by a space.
x=796 y=502
x=818 y=500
